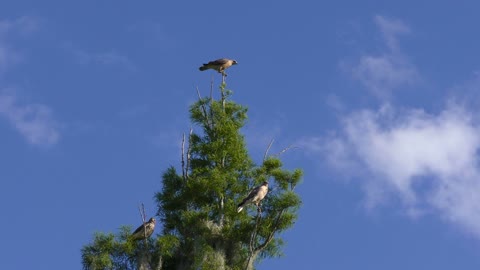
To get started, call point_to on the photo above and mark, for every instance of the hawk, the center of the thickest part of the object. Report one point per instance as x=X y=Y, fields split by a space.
x=144 y=230
x=219 y=65
x=255 y=196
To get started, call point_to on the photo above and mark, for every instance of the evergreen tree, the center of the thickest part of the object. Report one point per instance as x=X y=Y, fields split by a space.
x=198 y=205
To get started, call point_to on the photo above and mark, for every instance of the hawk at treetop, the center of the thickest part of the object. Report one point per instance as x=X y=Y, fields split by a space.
x=144 y=230
x=255 y=196
x=219 y=65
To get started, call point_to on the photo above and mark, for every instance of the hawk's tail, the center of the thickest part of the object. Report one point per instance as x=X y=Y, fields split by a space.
x=240 y=206
x=204 y=67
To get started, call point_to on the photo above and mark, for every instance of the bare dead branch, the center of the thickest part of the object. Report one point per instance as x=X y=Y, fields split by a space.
x=272 y=233
x=189 y=150
x=222 y=210
x=222 y=92
x=198 y=93
x=160 y=262
x=212 y=123
x=268 y=149
x=183 y=158
x=252 y=250
x=204 y=110
x=211 y=90
x=253 y=236
x=141 y=209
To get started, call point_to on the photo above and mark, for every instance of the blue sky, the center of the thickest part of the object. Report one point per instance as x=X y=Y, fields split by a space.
x=380 y=98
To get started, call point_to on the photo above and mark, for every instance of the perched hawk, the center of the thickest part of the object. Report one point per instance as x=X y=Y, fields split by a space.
x=144 y=229
x=255 y=196
x=219 y=65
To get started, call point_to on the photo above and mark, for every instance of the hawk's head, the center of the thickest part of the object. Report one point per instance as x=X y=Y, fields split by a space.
x=152 y=220
x=234 y=62
x=265 y=184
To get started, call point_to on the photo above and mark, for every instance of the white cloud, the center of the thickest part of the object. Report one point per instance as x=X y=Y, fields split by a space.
x=429 y=162
x=34 y=121
x=389 y=70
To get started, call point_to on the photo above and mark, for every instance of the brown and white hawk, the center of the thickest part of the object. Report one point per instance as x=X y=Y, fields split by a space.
x=144 y=230
x=219 y=65
x=255 y=196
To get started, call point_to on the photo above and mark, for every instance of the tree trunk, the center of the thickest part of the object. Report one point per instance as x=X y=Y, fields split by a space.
x=251 y=260
x=160 y=262
x=143 y=261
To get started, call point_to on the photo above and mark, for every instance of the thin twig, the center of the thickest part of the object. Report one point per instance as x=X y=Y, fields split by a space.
x=268 y=149
x=286 y=149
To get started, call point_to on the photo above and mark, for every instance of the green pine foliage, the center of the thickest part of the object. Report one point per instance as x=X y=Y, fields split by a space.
x=119 y=252
x=197 y=205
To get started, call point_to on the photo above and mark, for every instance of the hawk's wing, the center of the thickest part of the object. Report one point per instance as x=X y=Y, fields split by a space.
x=139 y=229
x=221 y=61
x=253 y=193
x=144 y=229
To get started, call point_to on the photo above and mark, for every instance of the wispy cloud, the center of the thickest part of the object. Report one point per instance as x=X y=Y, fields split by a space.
x=34 y=122
x=20 y=27
x=109 y=58
x=384 y=73
x=152 y=30
x=390 y=29
x=259 y=137
x=389 y=70
x=134 y=112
